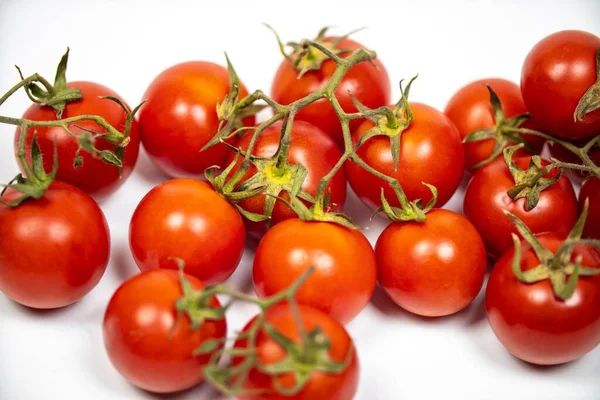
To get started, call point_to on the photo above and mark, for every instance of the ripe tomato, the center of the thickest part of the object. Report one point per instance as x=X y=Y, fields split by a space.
x=320 y=385
x=486 y=197
x=310 y=147
x=470 y=110
x=430 y=152
x=591 y=190
x=185 y=218
x=53 y=250
x=94 y=176
x=146 y=341
x=556 y=73
x=180 y=117
x=534 y=324
x=442 y=266
x=369 y=83
x=559 y=152
x=345 y=267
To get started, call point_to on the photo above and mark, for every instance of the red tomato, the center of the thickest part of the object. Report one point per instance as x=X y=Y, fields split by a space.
x=591 y=190
x=320 y=385
x=556 y=73
x=486 y=197
x=369 y=83
x=559 y=152
x=470 y=110
x=53 y=250
x=442 y=267
x=310 y=147
x=185 y=218
x=180 y=117
x=95 y=176
x=145 y=340
x=534 y=324
x=430 y=152
x=345 y=267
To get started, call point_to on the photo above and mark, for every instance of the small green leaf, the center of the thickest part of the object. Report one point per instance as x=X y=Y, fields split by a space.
x=60 y=80
x=208 y=347
x=483 y=134
x=496 y=106
x=37 y=161
x=110 y=158
x=395 y=147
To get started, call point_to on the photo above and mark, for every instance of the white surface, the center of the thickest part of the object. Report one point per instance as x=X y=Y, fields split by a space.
x=60 y=354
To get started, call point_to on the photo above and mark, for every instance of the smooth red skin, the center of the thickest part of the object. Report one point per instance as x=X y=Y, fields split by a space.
x=94 y=176
x=591 y=190
x=187 y=219
x=345 y=272
x=180 y=118
x=369 y=83
x=310 y=147
x=342 y=386
x=556 y=73
x=470 y=110
x=140 y=337
x=442 y=266
x=53 y=251
x=430 y=151
x=559 y=152
x=531 y=322
x=486 y=197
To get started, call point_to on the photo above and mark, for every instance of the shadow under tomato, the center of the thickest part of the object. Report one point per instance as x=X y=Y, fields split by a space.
x=37 y=313
x=147 y=170
x=122 y=263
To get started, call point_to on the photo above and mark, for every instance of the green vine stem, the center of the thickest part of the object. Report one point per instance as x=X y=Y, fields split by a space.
x=590 y=101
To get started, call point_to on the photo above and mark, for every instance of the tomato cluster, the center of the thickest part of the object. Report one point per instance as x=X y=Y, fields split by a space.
x=283 y=182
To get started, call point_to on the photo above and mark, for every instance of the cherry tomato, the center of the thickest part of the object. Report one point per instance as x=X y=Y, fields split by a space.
x=185 y=218
x=53 y=251
x=145 y=339
x=531 y=322
x=94 y=176
x=433 y=268
x=486 y=197
x=330 y=386
x=180 y=117
x=556 y=73
x=591 y=190
x=368 y=82
x=431 y=151
x=561 y=153
x=345 y=272
x=310 y=147
x=470 y=110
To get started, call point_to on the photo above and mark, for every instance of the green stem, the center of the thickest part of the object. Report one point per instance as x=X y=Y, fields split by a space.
x=33 y=78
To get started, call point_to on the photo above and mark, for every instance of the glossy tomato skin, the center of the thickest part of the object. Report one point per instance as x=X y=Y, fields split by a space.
x=145 y=340
x=180 y=117
x=94 y=176
x=310 y=147
x=591 y=190
x=430 y=151
x=53 y=251
x=187 y=219
x=340 y=386
x=470 y=110
x=556 y=73
x=369 y=83
x=345 y=272
x=486 y=197
x=559 y=152
x=442 y=266
x=531 y=322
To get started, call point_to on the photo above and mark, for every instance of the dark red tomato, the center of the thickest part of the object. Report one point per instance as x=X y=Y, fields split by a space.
x=556 y=73
x=53 y=251
x=486 y=197
x=310 y=147
x=146 y=341
x=320 y=385
x=345 y=272
x=431 y=151
x=531 y=322
x=559 y=152
x=185 y=218
x=369 y=83
x=434 y=268
x=591 y=190
x=95 y=176
x=180 y=117
x=470 y=110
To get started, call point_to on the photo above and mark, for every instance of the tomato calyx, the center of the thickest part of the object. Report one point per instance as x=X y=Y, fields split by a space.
x=590 y=101
x=408 y=211
x=556 y=267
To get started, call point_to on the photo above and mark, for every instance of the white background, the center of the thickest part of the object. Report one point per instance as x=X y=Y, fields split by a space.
x=124 y=45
